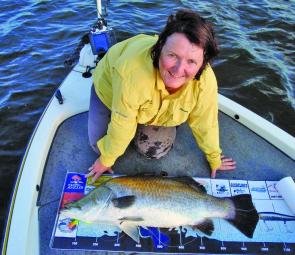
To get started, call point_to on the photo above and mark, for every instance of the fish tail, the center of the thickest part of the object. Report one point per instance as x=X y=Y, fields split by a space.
x=246 y=217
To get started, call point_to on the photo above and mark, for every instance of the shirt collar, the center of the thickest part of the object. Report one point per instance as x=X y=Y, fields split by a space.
x=160 y=84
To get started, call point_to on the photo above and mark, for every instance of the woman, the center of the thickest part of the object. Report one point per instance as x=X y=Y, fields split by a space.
x=160 y=82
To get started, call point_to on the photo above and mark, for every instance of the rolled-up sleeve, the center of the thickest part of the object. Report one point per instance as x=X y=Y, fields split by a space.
x=203 y=120
x=123 y=124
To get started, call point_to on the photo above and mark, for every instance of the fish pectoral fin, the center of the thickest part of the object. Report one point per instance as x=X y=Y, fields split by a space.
x=131 y=230
x=123 y=202
x=206 y=226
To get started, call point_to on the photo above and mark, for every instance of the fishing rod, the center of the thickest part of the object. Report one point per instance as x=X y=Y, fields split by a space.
x=98 y=6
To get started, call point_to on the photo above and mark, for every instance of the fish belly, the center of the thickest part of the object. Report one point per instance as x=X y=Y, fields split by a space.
x=154 y=213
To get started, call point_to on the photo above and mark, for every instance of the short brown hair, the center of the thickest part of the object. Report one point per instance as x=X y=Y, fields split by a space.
x=195 y=28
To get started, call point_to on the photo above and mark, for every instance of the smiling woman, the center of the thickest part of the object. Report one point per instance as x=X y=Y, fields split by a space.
x=255 y=68
x=179 y=65
x=146 y=84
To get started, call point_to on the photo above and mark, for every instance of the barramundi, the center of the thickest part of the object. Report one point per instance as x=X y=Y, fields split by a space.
x=164 y=202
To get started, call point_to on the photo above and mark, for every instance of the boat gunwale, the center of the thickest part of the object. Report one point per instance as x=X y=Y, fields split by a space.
x=225 y=105
x=18 y=180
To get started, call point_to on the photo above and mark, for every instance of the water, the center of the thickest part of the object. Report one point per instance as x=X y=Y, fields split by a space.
x=256 y=66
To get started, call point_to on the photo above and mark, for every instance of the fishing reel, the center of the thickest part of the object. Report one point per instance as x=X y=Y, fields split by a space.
x=101 y=37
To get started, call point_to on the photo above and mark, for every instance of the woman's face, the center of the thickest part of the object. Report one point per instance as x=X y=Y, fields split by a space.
x=179 y=62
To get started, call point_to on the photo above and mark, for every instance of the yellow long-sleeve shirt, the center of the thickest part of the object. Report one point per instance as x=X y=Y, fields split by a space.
x=128 y=84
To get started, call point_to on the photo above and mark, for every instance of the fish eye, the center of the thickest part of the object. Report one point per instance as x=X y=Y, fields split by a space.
x=66 y=206
x=71 y=206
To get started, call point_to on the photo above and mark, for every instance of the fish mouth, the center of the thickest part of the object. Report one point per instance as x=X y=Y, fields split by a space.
x=71 y=206
x=69 y=210
x=65 y=213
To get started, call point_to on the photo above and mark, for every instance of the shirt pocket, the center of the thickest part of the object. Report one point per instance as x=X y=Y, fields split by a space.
x=146 y=112
x=178 y=113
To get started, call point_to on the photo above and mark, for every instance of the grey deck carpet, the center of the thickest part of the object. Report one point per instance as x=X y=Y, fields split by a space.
x=256 y=160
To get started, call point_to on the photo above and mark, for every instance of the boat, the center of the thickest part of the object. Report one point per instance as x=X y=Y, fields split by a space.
x=59 y=144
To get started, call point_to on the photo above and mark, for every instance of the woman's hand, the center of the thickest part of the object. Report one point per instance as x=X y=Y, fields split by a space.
x=97 y=169
x=227 y=164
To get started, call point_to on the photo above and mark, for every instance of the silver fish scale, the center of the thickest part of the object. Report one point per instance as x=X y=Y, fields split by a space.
x=164 y=200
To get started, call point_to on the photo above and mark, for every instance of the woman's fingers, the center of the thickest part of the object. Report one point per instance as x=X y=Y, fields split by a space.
x=96 y=170
x=110 y=170
x=95 y=177
x=213 y=174
x=227 y=164
x=90 y=173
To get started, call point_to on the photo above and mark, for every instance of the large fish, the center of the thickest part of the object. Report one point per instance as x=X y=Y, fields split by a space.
x=150 y=201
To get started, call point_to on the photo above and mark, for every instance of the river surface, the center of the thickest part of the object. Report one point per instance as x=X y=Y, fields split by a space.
x=256 y=66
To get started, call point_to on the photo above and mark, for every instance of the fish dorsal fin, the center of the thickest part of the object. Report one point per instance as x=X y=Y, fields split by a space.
x=191 y=182
x=151 y=174
x=131 y=229
x=123 y=202
x=131 y=218
x=206 y=226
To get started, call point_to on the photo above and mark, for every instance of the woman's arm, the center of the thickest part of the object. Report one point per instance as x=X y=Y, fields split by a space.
x=121 y=128
x=203 y=121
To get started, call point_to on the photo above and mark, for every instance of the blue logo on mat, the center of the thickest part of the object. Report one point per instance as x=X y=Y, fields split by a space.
x=75 y=183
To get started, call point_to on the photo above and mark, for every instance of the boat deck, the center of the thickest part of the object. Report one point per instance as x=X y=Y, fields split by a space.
x=256 y=160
